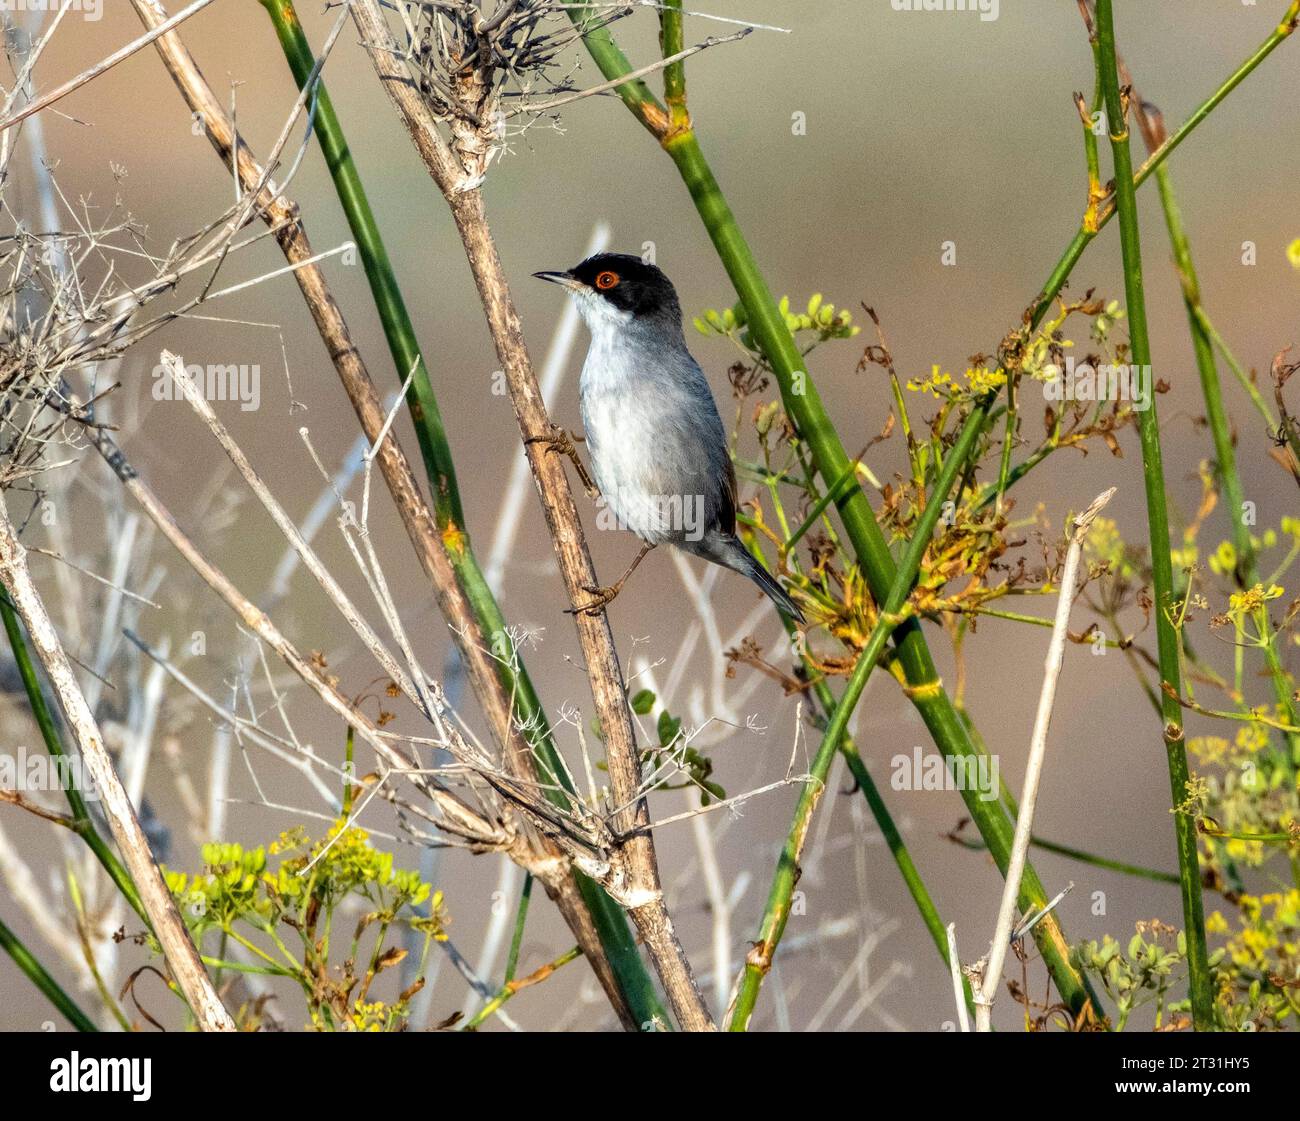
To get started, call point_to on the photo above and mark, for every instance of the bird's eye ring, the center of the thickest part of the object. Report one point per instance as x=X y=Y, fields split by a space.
x=606 y=280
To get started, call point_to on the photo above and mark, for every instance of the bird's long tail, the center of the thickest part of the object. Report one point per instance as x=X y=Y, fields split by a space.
x=731 y=553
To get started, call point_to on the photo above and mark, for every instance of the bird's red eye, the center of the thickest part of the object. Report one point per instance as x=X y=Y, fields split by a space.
x=606 y=280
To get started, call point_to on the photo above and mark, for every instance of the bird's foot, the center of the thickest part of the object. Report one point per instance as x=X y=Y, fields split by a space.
x=561 y=440
x=601 y=598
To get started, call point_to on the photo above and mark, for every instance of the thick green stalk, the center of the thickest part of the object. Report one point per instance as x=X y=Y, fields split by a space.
x=803 y=404
x=83 y=824
x=521 y=917
x=1199 y=979
x=426 y=416
x=777 y=913
x=40 y=977
x=671 y=30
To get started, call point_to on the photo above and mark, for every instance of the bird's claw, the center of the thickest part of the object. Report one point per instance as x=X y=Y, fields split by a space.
x=561 y=440
x=601 y=598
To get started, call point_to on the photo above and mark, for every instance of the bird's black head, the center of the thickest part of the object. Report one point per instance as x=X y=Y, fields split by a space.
x=623 y=281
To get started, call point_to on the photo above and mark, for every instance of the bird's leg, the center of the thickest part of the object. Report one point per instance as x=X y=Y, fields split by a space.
x=560 y=440
x=604 y=596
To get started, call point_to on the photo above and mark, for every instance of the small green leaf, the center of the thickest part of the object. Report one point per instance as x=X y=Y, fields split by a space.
x=643 y=702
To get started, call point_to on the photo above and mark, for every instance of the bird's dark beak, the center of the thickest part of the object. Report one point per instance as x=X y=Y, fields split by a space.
x=564 y=279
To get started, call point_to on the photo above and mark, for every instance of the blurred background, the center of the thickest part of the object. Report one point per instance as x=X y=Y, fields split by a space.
x=921 y=129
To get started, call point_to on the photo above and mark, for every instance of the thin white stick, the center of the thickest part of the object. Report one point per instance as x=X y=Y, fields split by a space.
x=303 y=761
x=282 y=271
x=394 y=405
x=111 y=613
x=991 y=973
x=954 y=964
x=35 y=50
x=316 y=516
x=32 y=549
x=135 y=755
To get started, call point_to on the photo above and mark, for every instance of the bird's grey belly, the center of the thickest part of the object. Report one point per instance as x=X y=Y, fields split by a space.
x=648 y=459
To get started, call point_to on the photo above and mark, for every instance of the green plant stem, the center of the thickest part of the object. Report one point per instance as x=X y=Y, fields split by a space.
x=1199 y=979
x=803 y=404
x=1225 y=455
x=759 y=959
x=1106 y=862
x=1277 y=429
x=610 y=921
x=1203 y=349
x=1238 y=371
x=525 y=895
x=349 y=745
x=513 y=988
x=671 y=31
x=1009 y=436
x=88 y=953
x=83 y=824
x=40 y=977
x=1085 y=857
x=845 y=483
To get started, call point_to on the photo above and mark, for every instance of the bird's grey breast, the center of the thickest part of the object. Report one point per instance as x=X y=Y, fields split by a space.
x=657 y=446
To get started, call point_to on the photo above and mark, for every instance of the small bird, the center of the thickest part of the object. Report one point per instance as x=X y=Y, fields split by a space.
x=657 y=446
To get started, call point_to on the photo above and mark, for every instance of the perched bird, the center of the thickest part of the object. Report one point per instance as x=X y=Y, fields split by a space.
x=656 y=443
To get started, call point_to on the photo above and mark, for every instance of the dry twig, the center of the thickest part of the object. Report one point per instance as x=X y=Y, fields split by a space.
x=989 y=973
